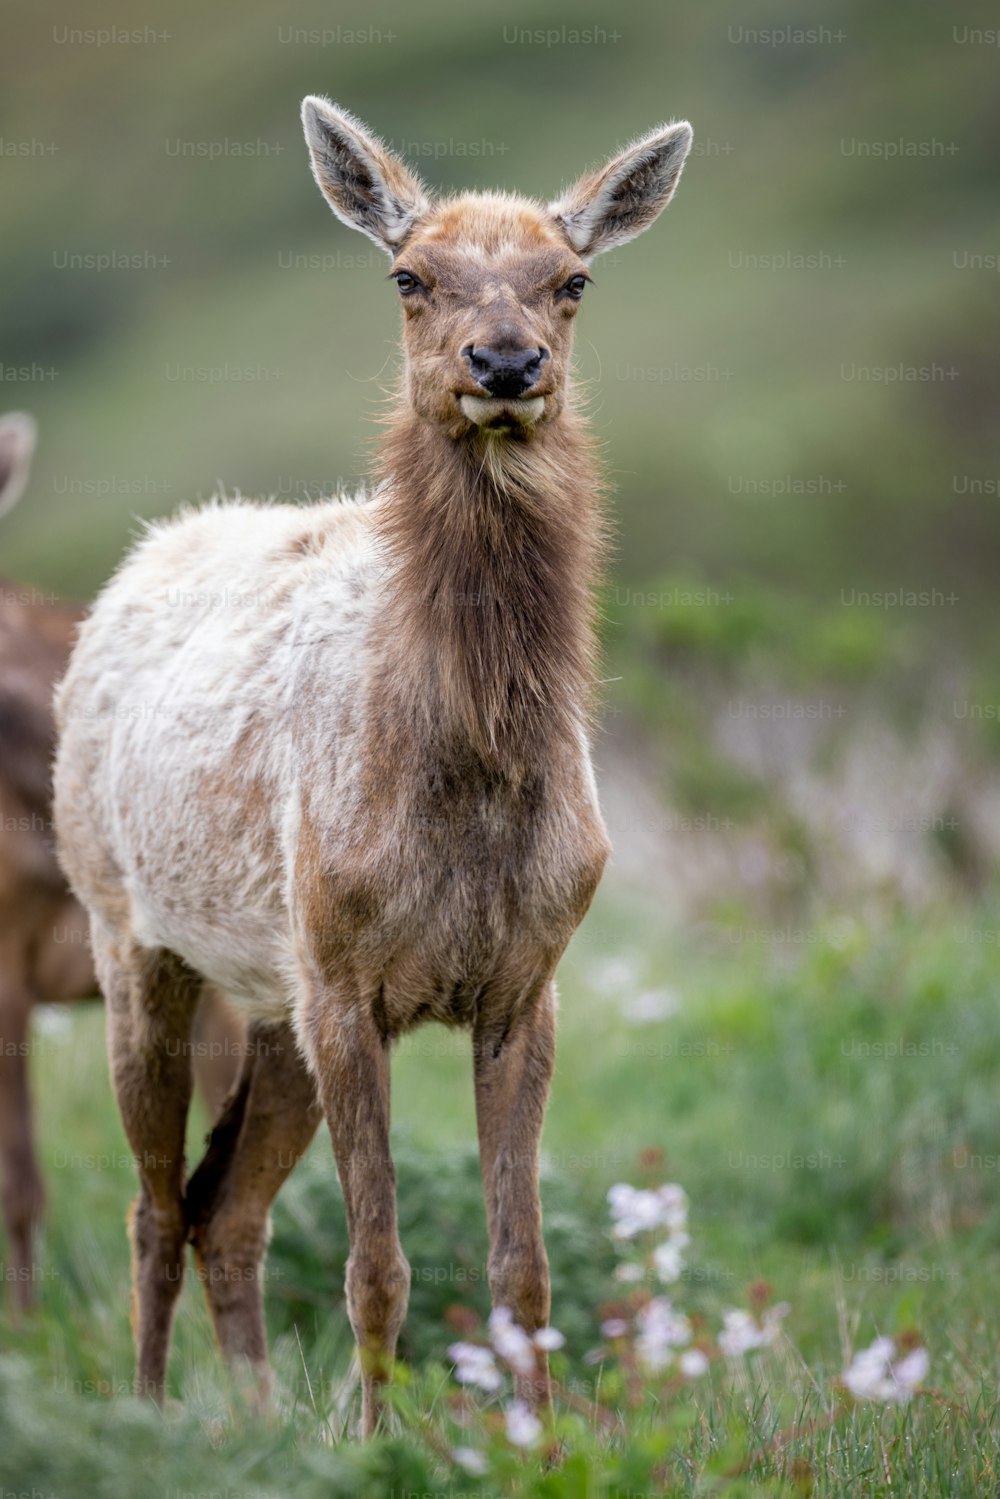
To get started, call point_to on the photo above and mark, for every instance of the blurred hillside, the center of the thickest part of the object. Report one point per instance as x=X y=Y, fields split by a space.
x=794 y=372
x=714 y=380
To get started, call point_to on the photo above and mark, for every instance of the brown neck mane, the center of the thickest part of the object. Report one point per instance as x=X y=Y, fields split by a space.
x=493 y=546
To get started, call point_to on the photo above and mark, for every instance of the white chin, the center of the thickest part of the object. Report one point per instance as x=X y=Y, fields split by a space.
x=485 y=411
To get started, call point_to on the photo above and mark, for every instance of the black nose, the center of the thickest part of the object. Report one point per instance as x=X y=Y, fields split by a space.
x=505 y=373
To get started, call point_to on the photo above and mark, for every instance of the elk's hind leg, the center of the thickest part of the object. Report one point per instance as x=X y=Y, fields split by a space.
x=265 y=1126
x=151 y=997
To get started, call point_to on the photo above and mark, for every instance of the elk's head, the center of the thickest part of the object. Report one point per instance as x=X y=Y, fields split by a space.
x=490 y=283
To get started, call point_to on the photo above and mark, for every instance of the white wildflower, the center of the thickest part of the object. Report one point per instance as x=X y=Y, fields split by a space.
x=661 y=1330
x=911 y=1371
x=668 y=1260
x=741 y=1332
x=876 y=1374
x=475 y=1365
x=548 y=1338
x=673 y=1206
x=629 y=1272
x=614 y=1327
x=693 y=1363
x=469 y=1459
x=523 y=1426
x=511 y=1342
x=636 y=1210
x=633 y=1210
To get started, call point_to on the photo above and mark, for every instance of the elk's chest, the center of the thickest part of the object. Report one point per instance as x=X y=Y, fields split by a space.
x=459 y=890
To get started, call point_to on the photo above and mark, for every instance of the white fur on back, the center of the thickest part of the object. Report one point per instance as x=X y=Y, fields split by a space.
x=217 y=620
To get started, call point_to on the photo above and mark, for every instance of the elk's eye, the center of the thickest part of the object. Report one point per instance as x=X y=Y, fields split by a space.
x=574 y=288
x=407 y=283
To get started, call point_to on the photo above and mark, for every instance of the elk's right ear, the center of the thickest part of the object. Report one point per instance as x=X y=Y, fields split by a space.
x=17 y=444
x=367 y=186
x=622 y=198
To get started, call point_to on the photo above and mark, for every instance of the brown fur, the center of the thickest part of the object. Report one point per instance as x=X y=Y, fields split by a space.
x=491 y=592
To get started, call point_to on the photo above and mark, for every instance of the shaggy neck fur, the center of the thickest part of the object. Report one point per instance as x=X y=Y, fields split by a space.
x=494 y=544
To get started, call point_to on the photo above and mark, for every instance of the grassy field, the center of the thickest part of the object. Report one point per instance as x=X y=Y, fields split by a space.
x=826 y=1096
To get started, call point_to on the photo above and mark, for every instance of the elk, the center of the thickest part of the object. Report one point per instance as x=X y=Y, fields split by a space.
x=44 y=954
x=335 y=759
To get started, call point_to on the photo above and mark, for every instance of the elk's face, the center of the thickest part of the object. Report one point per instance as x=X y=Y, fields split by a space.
x=489 y=292
x=490 y=284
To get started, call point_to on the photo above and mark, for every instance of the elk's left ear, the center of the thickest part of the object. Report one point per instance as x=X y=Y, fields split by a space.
x=365 y=184
x=622 y=198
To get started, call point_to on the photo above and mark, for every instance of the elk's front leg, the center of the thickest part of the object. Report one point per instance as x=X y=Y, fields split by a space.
x=350 y=1057
x=513 y=1071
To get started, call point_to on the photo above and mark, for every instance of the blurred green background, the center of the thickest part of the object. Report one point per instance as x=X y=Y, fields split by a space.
x=711 y=375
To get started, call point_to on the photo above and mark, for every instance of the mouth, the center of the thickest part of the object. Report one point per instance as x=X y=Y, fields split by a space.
x=496 y=413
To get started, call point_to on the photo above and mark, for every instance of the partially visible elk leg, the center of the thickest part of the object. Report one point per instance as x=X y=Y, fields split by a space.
x=22 y=1188
x=513 y=1071
x=151 y=998
x=351 y=1061
x=265 y=1127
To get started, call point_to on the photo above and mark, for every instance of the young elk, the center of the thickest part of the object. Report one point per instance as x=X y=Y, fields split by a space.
x=367 y=800
x=44 y=953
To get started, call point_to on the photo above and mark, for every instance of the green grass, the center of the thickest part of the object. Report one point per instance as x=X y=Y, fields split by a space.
x=827 y=1097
